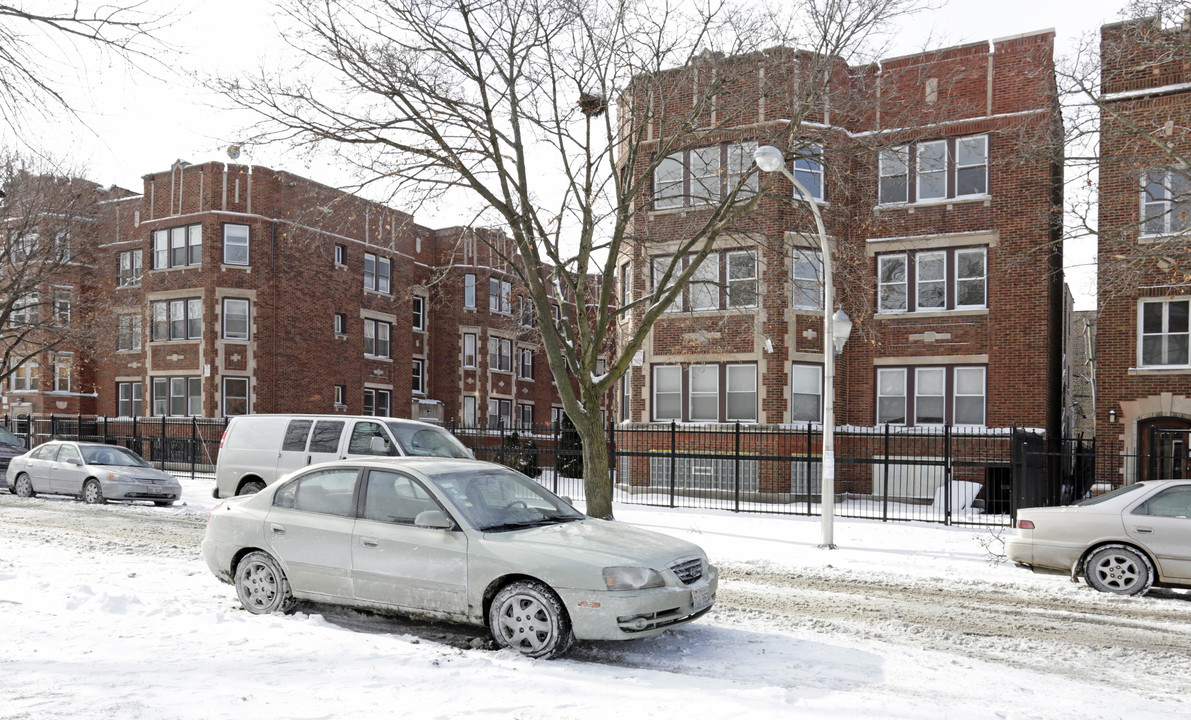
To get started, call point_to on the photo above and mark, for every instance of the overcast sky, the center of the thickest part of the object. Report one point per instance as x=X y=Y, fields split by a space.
x=135 y=123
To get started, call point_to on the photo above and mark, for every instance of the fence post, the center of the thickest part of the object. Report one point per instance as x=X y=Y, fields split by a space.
x=809 y=475
x=885 y=478
x=500 y=428
x=556 y=430
x=162 y=443
x=105 y=430
x=736 y=470
x=78 y=426
x=673 y=459
x=193 y=444
x=947 y=475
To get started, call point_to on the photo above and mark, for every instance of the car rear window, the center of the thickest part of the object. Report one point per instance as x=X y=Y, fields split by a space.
x=1111 y=494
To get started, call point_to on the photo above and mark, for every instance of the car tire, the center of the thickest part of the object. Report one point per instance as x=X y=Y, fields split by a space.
x=163 y=503
x=93 y=493
x=251 y=487
x=23 y=486
x=1119 y=569
x=528 y=617
x=262 y=586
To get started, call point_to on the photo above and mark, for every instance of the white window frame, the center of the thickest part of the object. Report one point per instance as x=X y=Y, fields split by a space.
x=419 y=376
x=919 y=283
x=983 y=395
x=905 y=400
x=377 y=402
x=920 y=395
x=500 y=296
x=235 y=247
x=658 y=370
x=167 y=314
x=738 y=163
x=704 y=286
x=341 y=255
x=129 y=332
x=708 y=373
x=983 y=164
x=808 y=166
x=732 y=387
x=177 y=247
x=178 y=396
x=500 y=412
x=669 y=178
x=500 y=354
x=229 y=314
x=626 y=398
x=340 y=323
x=982 y=278
x=419 y=312
x=376 y=338
x=1164 y=335
x=130 y=268
x=748 y=282
x=470 y=348
x=804 y=371
x=904 y=283
x=340 y=395
x=524 y=422
x=25 y=378
x=130 y=399
x=525 y=364
x=889 y=160
x=469 y=290
x=469 y=410
x=933 y=172
x=225 y=395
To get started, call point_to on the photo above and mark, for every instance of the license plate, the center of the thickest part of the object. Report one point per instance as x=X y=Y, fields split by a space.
x=701 y=598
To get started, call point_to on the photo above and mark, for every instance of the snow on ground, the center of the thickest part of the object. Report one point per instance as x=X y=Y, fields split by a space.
x=94 y=629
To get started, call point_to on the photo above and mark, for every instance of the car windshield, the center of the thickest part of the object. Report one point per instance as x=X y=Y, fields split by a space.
x=8 y=438
x=495 y=499
x=1111 y=494
x=111 y=455
x=428 y=440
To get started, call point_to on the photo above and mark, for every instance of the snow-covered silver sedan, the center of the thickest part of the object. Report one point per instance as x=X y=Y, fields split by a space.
x=1122 y=542
x=455 y=539
x=92 y=471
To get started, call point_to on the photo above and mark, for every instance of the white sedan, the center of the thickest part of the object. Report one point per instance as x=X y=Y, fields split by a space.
x=1122 y=542
x=455 y=539
x=94 y=472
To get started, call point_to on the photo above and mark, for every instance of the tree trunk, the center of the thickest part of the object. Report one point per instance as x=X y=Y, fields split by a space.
x=597 y=484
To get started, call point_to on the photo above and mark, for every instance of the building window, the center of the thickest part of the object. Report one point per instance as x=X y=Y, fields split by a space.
x=704 y=175
x=806 y=393
x=500 y=412
x=667 y=392
x=705 y=393
x=178 y=247
x=177 y=319
x=341 y=255
x=556 y=313
x=1165 y=202
x=24 y=378
x=469 y=350
x=469 y=411
x=340 y=324
x=62 y=297
x=525 y=311
x=376 y=338
x=130 y=269
x=951 y=279
x=525 y=416
x=735 y=270
x=625 y=399
x=128 y=332
x=625 y=284
x=500 y=296
x=419 y=308
x=128 y=399
x=235 y=319
x=742 y=279
x=741 y=401
x=377 y=273
x=931 y=396
x=525 y=364
x=469 y=290
x=24 y=310
x=1164 y=332
x=235 y=244
x=556 y=416
x=178 y=396
x=934 y=170
x=376 y=402
x=235 y=396
x=808 y=170
x=808 y=279
x=340 y=396
x=62 y=362
x=419 y=376
x=703 y=292
x=500 y=354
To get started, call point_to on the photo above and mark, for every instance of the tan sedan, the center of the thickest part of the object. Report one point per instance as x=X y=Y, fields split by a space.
x=1122 y=542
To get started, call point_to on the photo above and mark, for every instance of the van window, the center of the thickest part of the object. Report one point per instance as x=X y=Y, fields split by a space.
x=362 y=434
x=325 y=438
x=295 y=435
x=418 y=439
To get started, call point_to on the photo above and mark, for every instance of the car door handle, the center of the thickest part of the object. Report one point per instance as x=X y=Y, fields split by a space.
x=277 y=529
x=369 y=542
x=1143 y=530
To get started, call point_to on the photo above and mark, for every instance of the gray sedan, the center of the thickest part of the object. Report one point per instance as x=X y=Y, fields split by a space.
x=1122 y=542
x=455 y=539
x=92 y=471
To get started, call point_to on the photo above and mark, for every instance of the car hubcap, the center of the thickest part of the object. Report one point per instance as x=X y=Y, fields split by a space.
x=24 y=487
x=92 y=493
x=260 y=586
x=1117 y=572
x=525 y=624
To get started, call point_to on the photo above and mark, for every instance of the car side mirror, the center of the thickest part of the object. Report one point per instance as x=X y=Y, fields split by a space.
x=75 y=461
x=567 y=500
x=434 y=519
x=379 y=445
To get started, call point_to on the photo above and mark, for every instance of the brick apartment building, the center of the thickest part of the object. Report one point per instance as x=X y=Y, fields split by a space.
x=938 y=176
x=1143 y=371
x=226 y=289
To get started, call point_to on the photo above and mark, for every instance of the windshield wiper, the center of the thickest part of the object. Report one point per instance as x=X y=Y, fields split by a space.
x=522 y=524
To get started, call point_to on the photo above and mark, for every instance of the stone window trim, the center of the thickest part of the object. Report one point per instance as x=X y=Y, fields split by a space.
x=165 y=314
x=235 y=396
x=231 y=309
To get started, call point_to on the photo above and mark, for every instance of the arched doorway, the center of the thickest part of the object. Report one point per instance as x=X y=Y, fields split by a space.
x=1164 y=448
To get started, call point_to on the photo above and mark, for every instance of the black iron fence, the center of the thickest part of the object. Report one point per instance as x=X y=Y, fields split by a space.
x=977 y=477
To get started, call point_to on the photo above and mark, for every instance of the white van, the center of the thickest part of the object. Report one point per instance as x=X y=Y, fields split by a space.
x=258 y=449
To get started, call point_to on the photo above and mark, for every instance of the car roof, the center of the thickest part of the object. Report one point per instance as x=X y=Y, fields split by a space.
x=317 y=416
x=421 y=465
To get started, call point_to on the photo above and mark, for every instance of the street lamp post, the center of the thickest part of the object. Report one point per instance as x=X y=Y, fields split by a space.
x=836 y=328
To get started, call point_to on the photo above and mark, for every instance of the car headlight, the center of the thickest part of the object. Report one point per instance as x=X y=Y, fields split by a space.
x=632 y=578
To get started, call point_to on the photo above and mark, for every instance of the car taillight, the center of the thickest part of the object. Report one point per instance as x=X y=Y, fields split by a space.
x=222 y=439
x=1025 y=525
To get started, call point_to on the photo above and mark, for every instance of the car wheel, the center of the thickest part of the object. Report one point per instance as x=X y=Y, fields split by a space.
x=529 y=618
x=92 y=493
x=23 y=486
x=163 y=503
x=261 y=585
x=1119 y=569
x=251 y=487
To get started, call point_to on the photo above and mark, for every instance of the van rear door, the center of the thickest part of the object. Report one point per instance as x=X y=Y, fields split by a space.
x=308 y=441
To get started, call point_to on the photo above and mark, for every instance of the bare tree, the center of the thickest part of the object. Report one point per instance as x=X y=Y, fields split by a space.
x=1110 y=139
x=39 y=38
x=46 y=218
x=537 y=112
